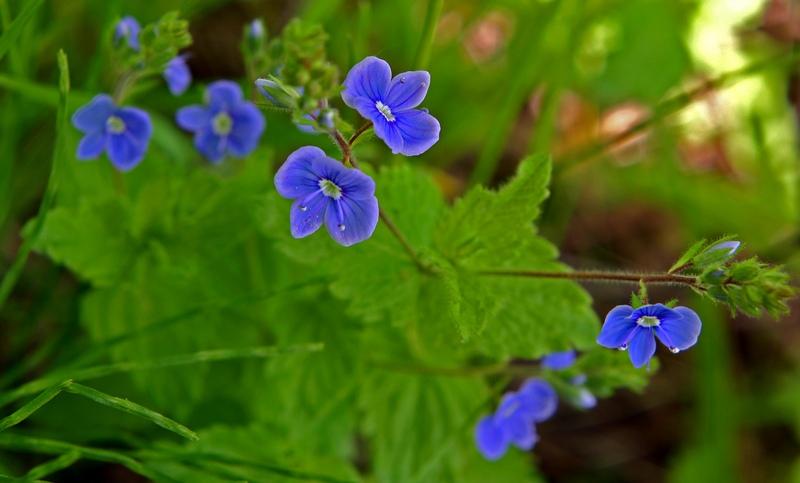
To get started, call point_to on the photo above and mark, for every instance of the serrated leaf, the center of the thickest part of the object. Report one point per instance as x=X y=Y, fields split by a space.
x=408 y=417
x=487 y=228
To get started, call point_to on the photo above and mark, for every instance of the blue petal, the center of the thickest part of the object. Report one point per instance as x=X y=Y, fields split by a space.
x=680 y=334
x=193 y=118
x=369 y=79
x=407 y=90
x=222 y=94
x=128 y=28
x=177 y=75
x=248 y=126
x=659 y=311
x=305 y=222
x=296 y=177
x=355 y=185
x=305 y=127
x=523 y=436
x=91 y=145
x=211 y=145
x=559 y=360
x=137 y=124
x=538 y=399
x=490 y=439
x=617 y=328
x=419 y=130
x=352 y=221
x=642 y=346
x=93 y=116
x=124 y=152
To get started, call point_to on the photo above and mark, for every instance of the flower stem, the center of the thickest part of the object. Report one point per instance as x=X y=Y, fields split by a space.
x=359 y=133
x=600 y=276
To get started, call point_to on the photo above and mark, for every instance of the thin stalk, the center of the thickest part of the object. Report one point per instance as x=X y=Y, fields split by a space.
x=600 y=276
x=359 y=133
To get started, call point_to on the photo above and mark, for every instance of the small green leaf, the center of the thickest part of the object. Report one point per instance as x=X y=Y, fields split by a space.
x=688 y=255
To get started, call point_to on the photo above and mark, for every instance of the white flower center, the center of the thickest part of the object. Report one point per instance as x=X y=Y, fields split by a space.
x=115 y=125
x=648 y=321
x=222 y=124
x=330 y=189
x=384 y=109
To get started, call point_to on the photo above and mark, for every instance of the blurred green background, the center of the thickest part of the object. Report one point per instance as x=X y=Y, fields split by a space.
x=668 y=120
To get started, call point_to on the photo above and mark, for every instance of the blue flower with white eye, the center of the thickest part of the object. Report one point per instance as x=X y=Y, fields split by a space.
x=637 y=329
x=513 y=421
x=177 y=75
x=124 y=132
x=326 y=191
x=128 y=28
x=226 y=124
x=389 y=103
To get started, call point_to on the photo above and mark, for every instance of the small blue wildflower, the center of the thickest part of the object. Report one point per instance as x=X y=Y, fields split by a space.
x=128 y=28
x=326 y=191
x=177 y=75
x=227 y=124
x=626 y=328
x=389 y=103
x=513 y=421
x=123 y=131
x=559 y=360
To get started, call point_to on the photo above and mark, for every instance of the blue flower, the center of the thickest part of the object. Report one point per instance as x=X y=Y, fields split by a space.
x=177 y=75
x=636 y=330
x=128 y=28
x=559 y=360
x=124 y=131
x=326 y=191
x=227 y=124
x=513 y=421
x=389 y=104
x=255 y=30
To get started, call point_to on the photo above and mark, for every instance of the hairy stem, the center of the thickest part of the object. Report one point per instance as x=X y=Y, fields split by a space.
x=359 y=133
x=600 y=276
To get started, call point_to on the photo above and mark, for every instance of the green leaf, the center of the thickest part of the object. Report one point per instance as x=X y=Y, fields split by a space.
x=485 y=228
x=408 y=417
x=688 y=255
x=10 y=36
x=607 y=370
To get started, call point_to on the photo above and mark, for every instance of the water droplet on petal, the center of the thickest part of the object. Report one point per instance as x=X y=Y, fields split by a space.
x=302 y=208
x=403 y=79
x=297 y=187
x=623 y=347
x=674 y=350
x=424 y=109
x=341 y=227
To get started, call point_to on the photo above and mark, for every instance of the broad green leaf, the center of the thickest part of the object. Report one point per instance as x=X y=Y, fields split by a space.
x=408 y=417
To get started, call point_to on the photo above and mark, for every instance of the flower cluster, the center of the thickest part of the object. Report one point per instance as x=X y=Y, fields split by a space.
x=227 y=124
x=576 y=393
x=636 y=330
x=514 y=420
x=345 y=201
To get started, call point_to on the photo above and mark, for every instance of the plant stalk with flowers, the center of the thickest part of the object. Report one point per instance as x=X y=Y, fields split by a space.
x=421 y=338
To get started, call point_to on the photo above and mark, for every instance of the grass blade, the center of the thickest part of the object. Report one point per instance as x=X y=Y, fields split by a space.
x=203 y=356
x=10 y=278
x=10 y=36
x=133 y=408
x=428 y=31
x=56 y=464
x=22 y=413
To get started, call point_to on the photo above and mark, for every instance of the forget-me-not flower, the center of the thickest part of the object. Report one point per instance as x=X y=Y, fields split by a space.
x=128 y=28
x=124 y=132
x=389 y=103
x=513 y=421
x=326 y=191
x=226 y=124
x=637 y=329
x=177 y=75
